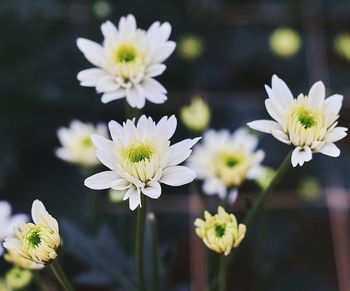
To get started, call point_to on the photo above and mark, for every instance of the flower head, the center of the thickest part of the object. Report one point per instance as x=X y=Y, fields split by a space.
x=224 y=160
x=285 y=42
x=77 y=146
x=140 y=157
x=128 y=61
x=220 y=232
x=196 y=116
x=309 y=123
x=18 y=279
x=8 y=222
x=37 y=242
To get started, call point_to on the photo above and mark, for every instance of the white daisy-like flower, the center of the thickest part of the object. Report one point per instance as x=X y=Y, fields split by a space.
x=224 y=161
x=8 y=222
x=128 y=61
x=77 y=147
x=308 y=123
x=140 y=158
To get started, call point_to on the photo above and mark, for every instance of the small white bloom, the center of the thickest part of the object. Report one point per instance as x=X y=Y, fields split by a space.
x=128 y=61
x=140 y=157
x=309 y=123
x=77 y=146
x=224 y=161
x=37 y=243
x=8 y=222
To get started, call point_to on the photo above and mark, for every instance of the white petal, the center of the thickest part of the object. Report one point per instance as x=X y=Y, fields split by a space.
x=163 y=52
x=92 y=51
x=301 y=155
x=90 y=77
x=5 y=209
x=109 y=30
x=153 y=190
x=281 y=90
x=120 y=184
x=103 y=180
x=233 y=195
x=214 y=186
x=336 y=134
x=134 y=199
x=167 y=126
x=264 y=125
x=117 y=94
x=159 y=33
x=317 y=94
x=127 y=25
x=116 y=130
x=330 y=149
x=333 y=103
x=177 y=176
x=272 y=110
x=281 y=136
x=181 y=151
x=38 y=209
x=155 y=70
x=106 y=84
x=135 y=97
x=154 y=91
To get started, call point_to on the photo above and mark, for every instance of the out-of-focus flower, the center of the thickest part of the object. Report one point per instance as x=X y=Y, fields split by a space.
x=21 y=262
x=285 y=42
x=308 y=123
x=342 y=45
x=128 y=61
x=3 y=286
x=265 y=177
x=38 y=242
x=9 y=222
x=310 y=189
x=196 y=116
x=77 y=147
x=18 y=279
x=190 y=47
x=140 y=158
x=116 y=196
x=220 y=232
x=224 y=161
x=102 y=8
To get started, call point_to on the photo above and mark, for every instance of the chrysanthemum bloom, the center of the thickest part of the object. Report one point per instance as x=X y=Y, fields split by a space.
x=128 y=61
x=196 y=116
x=224 y=161
x=77 y=147
x=38 y=242
x=308 y=123
x=140 y=158
x=9 y=222
x=18 y=279
x=220 y=232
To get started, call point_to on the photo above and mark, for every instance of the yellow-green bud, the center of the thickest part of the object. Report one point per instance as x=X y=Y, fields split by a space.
x=18 y=279
x=285 y=42
x=190 y=47
x=196 y=116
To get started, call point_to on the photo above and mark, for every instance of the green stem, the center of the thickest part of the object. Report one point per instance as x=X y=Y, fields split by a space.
x=222 y=274
x=60 y=275
x=139 y=247
x=265 y=192
x=155 y=254
x=38 y=281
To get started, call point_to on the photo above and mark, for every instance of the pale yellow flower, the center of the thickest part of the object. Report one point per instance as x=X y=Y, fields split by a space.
x=196 y=116
x=265 y=177
x=285 y=42
x=37 y=242
x=17 y=279
x=191 y=47
x=342 y=45
x=220 y=232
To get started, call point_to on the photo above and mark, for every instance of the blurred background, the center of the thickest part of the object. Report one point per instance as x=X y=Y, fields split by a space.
x=226 y=51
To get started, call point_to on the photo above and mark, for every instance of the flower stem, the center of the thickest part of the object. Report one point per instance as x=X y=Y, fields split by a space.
x=60 y=275
x=139 y=247
x=155 y=255
x=222 y=274
x=265 y=192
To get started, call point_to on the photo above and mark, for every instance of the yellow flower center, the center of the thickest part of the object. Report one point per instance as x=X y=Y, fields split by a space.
x=307 y=117
x=126 y=53
x=139 y=152
x=86 y=142
x=33 y=238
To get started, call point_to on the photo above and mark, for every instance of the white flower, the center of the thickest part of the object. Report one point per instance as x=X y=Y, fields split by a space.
x=128 y=61
x=37 y=243
x=224 y=161
x=140 y=158
x=8 y=222
x=77 y=146
x=309 y=123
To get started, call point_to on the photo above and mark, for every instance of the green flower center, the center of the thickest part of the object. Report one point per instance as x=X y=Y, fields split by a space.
x=231 y=162
x=307 y=118
x=125 y=54
x=138 y=153
x=86 y=142
x=34 y=238
x=220 y=230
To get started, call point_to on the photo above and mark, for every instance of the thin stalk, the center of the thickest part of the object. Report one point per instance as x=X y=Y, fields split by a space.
x=155 y=254
x=139 y=247
x=60 y=275
x=222 y=274
x=265 y=192
x=38 y=281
